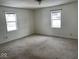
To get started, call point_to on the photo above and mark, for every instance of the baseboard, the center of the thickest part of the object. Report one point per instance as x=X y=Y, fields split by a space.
x=34 y=34
x=54 y=36
x=15 y=39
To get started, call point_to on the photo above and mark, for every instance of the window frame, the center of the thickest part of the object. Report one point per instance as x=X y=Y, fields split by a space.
x=54 y=19
x=10 y=22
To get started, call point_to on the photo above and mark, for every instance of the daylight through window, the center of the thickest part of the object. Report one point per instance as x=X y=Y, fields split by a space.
x=56 y=19
x=11 y=21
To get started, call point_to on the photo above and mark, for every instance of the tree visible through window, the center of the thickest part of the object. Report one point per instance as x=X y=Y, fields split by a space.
x=11 y=21
x=56 y=19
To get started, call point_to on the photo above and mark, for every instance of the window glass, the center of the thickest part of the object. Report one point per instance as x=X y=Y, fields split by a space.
x=56 y=19
x=11 y=22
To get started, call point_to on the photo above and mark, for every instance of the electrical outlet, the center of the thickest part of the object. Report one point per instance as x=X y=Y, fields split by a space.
x=6 y=37
x=70 y=34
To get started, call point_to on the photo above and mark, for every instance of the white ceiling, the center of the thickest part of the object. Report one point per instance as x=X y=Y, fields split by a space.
x=32 y=3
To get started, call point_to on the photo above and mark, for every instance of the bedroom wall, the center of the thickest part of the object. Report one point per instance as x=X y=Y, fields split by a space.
x=69 y=21
x=38 y=21
x=24 y=23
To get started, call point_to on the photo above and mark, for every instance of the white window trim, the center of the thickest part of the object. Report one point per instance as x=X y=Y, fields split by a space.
x=12 y=21
x=60 y=19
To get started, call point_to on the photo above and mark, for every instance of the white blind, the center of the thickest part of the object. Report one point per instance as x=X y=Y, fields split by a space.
x=11 y=22
x=56 y=19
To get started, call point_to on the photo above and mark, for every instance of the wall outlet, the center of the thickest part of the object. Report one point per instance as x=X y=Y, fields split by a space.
x=6 y=37
x=71 y=34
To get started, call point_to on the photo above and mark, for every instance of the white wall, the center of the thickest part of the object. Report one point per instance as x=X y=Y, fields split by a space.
x=25 y=24
x=69 y=21
x=38 y=21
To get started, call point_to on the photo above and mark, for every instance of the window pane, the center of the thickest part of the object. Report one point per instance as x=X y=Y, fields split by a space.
x=11 y=26
x=56 y=19
x=56 y=15
x=56 y=23
x=10 y=17
x=11 y=22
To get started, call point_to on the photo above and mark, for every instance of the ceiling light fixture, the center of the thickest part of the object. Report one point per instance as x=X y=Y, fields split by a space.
x=39 y=1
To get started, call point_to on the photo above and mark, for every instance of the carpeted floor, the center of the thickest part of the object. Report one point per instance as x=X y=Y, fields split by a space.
x=40 y=47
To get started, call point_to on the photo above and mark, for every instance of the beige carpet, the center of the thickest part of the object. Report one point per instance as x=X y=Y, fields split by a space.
x=40 y=47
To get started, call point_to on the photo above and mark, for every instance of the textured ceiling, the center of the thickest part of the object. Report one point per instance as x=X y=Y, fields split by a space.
x=32 y=3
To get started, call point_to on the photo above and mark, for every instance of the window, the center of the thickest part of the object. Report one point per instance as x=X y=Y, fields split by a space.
x=11 y=21
x=56 y=19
